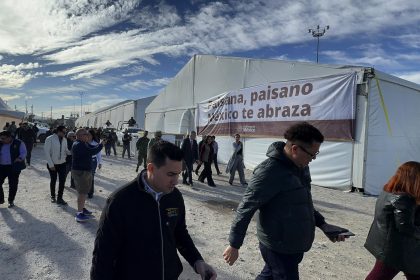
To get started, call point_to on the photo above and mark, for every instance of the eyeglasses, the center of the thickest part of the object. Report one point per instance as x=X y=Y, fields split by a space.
x=313 y=156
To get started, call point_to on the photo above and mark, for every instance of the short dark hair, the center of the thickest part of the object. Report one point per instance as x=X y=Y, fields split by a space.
x=60 y=128
x=6 y=133
x=161 y=150
x=303 y=132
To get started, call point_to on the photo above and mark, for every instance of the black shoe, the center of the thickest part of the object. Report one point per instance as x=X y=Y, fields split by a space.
x=191 y=184
x=196 y=172
x=212 y=185
x=53 y=200
x=230 y=183
x=2 y=201
x=219 y=173
x=90 y=195
x=185 y=183
x=11 y=205
x=61 y=201
x=137 y=170
x=73 y=187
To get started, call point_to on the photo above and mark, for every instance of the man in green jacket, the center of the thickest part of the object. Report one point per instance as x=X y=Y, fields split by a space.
x=281 y=189
x=141 y=146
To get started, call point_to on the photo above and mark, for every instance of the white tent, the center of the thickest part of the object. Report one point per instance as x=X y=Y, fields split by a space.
x=386 y=131
x=117 y=114
x=9 y=115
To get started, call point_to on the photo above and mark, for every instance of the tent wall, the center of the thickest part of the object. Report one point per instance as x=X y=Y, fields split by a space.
x=205 y=76
x=393 y=129
x=117 y=114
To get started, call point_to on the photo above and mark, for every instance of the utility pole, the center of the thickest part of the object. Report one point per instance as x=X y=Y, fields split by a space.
x=51 y=113
x=81 y=102
x=316 y=33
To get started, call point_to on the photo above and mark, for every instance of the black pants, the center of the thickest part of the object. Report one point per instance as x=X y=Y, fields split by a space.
x=94 y=165
x=126 y=147
x=279 y=266
x=60 y=170
x=142 y=158
x=6 y=171
x=187 y=173
x=216 y=165
x=113 y=148
x=206 y=173
x=29 y=147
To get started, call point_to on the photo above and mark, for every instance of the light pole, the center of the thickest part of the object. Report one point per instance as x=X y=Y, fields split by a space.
x=81 y=102
x=316 y=33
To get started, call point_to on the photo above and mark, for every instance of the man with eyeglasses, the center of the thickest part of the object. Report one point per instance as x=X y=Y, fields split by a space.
x=281 y=189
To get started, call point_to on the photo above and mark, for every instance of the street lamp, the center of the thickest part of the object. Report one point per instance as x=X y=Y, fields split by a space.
x=316 y=33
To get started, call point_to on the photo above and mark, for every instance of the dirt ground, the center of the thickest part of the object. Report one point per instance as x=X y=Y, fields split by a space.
x=40 y=240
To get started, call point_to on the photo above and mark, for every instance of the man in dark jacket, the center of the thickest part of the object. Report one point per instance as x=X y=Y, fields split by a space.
x=281 y=189
x=126 y=139
x=141 y=146
x=28 y=136
x=190 y=149
x=12 y=161
x=143 y=225
x=81 y=171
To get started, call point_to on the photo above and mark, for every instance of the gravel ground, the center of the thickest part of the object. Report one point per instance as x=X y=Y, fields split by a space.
x=40 y=240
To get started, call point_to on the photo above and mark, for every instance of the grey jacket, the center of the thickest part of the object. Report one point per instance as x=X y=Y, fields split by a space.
x=281 y=192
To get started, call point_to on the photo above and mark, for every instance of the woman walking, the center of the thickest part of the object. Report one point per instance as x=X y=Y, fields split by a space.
x=394 y=237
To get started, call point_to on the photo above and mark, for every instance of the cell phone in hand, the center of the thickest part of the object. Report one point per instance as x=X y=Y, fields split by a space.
x=346 y=234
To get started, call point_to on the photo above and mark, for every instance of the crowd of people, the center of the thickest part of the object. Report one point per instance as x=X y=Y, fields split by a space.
x=142 y=226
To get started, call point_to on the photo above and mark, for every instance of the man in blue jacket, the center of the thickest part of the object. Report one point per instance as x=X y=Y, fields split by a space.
x=12 y=161
x=81 y=171
x=143 y=225
x=281 y=189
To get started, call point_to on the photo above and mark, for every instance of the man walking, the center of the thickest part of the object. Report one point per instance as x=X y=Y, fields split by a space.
x=12 y=161
x=157 y=138
x=143 y=225
x=81 y=171
x=190 y=149
x=126 y=139
x=28 y=136
x=141 y=146
x=56 y=151
x=280 y=189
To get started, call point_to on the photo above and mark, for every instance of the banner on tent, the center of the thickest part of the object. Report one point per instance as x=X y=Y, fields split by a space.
x=268 y=110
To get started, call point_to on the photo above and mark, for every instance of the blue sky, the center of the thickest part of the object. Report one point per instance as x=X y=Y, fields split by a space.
x=52 y=51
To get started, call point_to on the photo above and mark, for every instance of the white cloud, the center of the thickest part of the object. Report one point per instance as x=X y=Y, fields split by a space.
x=15 y=76
x=29 y=27
x=142 y=84
x=9 y=97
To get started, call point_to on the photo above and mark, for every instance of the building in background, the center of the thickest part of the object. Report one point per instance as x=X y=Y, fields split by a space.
x=117 y=114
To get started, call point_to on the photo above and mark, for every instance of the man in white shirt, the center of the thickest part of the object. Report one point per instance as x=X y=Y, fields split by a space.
x=56 y=150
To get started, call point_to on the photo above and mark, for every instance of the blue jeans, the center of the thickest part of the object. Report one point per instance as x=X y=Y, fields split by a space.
x=279 y=266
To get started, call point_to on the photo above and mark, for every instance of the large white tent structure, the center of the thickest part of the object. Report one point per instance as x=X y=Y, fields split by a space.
x=386 y=126
x=9 y=115
x=117 y=114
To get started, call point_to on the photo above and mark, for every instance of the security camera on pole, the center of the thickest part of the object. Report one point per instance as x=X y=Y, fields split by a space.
x=316 y=33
